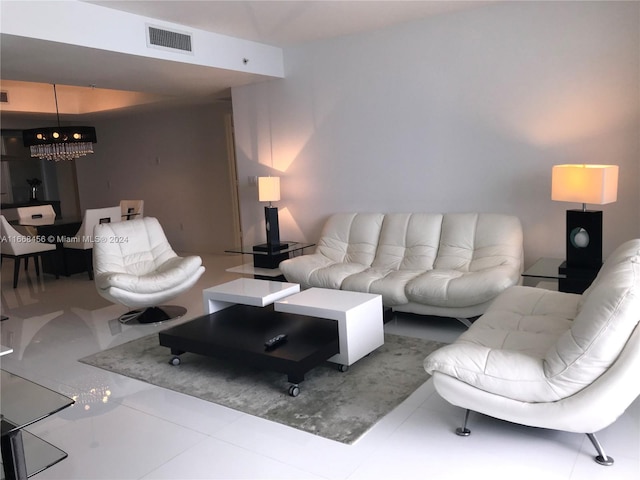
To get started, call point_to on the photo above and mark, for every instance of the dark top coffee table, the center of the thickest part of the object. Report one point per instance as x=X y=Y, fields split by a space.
x=239 y=332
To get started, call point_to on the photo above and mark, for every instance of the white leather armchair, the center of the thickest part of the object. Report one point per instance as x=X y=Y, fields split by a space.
x=134 y=265
x=549 y=359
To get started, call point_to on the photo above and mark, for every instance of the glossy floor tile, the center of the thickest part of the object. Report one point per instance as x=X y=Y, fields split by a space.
x=121 y=428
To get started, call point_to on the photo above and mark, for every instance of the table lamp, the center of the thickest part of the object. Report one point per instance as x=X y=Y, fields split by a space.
x=269 y=191
x=596 y=184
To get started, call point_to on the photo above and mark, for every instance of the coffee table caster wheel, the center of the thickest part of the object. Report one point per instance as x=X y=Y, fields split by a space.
x=294 y=390
x=343 y=368
x=175 y=361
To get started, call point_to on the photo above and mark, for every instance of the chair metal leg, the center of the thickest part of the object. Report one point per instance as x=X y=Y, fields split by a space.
x=464 y=431
x=36 y=261
x=89 y=262
x=16 y=271
x=55 y=262
x=465 y=321
x=602 y=457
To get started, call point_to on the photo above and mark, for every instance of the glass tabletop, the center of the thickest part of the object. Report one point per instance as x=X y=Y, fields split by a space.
x=23 y=402
x=291 y=246
x=545 y=268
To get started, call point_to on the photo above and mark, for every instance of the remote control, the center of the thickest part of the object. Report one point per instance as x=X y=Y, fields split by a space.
x=275 y=341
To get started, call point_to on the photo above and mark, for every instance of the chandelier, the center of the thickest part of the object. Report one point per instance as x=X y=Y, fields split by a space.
x=59 y=143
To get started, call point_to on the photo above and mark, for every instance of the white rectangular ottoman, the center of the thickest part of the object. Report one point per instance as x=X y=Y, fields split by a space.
x=359 y=317
x=246 y=291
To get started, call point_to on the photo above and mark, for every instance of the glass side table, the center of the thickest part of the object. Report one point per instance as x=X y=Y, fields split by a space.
x=292 y=247
x=22 y=403
x=265 y=262
x=545 y=273
x=546 y=268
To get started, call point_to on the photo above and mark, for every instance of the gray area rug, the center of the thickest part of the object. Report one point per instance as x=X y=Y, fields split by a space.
x=335 y=405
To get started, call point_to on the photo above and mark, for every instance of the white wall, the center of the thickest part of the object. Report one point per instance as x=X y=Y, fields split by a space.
x=176 y=161
x=461 y=112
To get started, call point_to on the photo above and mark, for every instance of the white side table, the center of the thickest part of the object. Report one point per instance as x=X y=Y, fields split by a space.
x=246 y=291
x=359 y=316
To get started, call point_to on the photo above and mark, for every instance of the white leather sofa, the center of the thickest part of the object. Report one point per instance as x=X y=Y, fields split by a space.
x=450 y=265
x=549 y=359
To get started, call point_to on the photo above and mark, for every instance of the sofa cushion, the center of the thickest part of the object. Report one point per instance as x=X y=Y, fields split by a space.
x=347 y=245
x=388 y=283
x=351 y=237
x=480 y=255
x=407 y=247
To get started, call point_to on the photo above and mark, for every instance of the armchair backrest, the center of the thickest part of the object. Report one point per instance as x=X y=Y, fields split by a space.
x=609 y=311
x=136 y=247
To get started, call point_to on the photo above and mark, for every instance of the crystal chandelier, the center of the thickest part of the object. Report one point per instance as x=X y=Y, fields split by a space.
x=59 y=143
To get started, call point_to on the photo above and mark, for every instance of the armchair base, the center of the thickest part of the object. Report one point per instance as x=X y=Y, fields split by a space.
x=153 y=314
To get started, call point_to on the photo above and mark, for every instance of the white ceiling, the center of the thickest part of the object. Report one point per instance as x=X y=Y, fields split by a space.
x=287 y=23
x=276 y=23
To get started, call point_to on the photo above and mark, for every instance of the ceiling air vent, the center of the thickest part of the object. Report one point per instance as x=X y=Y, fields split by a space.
x=4 y=97
x=161 y=38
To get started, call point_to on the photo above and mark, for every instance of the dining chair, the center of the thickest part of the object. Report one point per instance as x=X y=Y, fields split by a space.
x=17 y=246
x=131 y=209
x=42 y=213
x=83 y=240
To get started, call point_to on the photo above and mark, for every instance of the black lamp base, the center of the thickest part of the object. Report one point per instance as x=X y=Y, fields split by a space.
x=584 y=239
x=273 y=248
x=272 y=227
x=584 y=251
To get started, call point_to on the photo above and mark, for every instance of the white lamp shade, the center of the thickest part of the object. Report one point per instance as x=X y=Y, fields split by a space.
x=596 y=184
x=268 y=189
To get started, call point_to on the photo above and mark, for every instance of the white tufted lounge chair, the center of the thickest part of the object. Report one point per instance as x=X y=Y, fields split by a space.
x=549 y=359
x=134 y=265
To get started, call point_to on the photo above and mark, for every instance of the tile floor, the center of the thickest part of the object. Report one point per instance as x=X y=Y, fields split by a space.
x=145 y=432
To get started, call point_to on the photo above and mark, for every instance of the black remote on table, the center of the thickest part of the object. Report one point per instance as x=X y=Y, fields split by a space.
x=275 y=341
